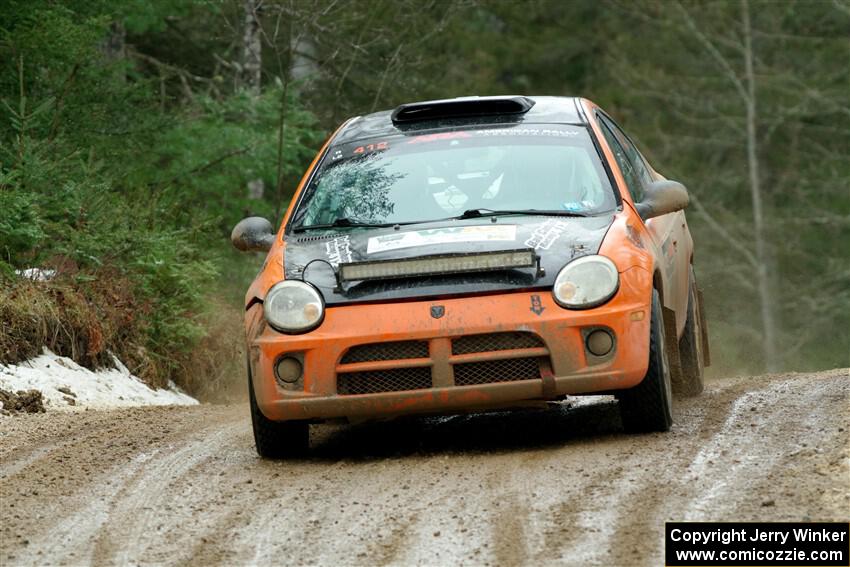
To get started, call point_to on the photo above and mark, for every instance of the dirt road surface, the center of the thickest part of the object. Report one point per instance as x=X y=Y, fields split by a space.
x=563 y=486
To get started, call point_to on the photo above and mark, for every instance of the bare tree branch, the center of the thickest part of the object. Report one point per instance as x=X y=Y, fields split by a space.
x=842 y=6
x=733 y=242
x=384 y=76
x=713 y=51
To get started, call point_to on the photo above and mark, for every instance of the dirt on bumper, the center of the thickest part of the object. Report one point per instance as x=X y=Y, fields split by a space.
x=565 y=365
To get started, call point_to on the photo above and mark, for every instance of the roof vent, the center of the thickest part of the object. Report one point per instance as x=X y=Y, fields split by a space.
x=461 y=107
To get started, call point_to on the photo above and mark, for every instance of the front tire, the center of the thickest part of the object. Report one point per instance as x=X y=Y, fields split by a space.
x=648 y=406
x=277 y=439
x=690 y=347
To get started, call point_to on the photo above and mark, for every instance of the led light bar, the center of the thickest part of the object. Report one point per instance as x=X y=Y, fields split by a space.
x=439 y=264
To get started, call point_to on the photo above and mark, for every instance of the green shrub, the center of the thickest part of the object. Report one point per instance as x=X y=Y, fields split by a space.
x=20 y=226
x=215 y=148
x=128 y=195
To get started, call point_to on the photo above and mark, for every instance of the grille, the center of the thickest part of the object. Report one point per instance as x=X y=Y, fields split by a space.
x=495 y=341
x=386 y=351
x=489 y=371
x=373 y=382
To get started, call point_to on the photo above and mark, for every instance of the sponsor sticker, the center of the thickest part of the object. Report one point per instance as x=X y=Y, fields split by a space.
x=546 y=234
x=338 y=250
x=447 y=235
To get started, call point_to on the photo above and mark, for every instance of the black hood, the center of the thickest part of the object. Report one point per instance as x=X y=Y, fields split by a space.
x=556 y=240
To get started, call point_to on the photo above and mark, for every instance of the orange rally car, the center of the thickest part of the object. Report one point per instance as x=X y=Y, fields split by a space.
x=472 y=254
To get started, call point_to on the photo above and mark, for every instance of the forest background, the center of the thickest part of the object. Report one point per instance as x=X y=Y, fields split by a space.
x=135 y=134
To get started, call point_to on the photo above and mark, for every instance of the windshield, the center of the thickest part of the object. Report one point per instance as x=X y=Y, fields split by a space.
x=403 y=179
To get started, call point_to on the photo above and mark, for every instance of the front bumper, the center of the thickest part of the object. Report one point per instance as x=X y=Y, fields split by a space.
x=566 y=367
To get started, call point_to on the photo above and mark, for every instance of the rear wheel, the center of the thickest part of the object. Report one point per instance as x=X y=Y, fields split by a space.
x=648 y=406
x=690 y=346
x=277 y=439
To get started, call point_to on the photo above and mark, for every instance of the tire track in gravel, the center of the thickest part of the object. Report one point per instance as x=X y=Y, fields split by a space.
x=693 y=418
x=69 y=540
x=719 y=470
x=183 y=486
x=122 y=541
x=791 y=426
x=33 y=456
x=203 y=507
x=369 y=513
x=719 y=446
x=509 y=535
x=71 y=519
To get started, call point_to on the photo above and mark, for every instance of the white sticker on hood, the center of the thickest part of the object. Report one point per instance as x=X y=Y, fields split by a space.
x=447 y=235
x=338 y=250
x=546 y=234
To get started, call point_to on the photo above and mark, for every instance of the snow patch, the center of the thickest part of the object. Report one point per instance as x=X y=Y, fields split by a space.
x=55 y=376
x=37 y=274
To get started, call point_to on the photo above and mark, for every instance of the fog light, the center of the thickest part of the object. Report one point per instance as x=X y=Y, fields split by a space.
x=288 y=369
x=600 y=342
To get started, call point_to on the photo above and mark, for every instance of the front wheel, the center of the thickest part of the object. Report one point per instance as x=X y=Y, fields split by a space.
x=648 y=406
x=277 y=439
x=690 y=347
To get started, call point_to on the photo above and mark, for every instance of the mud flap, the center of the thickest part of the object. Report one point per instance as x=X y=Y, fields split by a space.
x=706 y=354
x=672 y=346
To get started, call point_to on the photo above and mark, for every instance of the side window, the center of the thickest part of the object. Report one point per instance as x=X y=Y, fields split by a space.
x=631 y=176
x=634 y=155
x=628 y=153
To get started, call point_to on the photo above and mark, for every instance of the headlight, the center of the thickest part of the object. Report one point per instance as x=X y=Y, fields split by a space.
x=292 y=306
x=586 y=282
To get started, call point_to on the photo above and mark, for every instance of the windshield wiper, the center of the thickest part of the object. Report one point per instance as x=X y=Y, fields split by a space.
x=343 y=223
x=476 y=213
x=467 y=214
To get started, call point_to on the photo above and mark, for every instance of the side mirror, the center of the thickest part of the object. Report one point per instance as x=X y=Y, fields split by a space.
x=662 y=197
x=254 y=234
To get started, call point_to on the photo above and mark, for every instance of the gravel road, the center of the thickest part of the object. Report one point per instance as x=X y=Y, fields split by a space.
x=183 y=485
